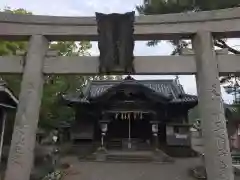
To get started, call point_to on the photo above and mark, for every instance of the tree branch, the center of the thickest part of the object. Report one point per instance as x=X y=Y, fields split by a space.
x=222 y=44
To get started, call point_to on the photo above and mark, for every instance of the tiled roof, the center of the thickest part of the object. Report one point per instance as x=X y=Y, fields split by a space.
x=185 y=98
x=168 y=88
x=12 y=100
x=2 y=83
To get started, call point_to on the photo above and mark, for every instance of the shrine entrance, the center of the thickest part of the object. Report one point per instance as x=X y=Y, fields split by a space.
x=116 y=56
x=129 y=130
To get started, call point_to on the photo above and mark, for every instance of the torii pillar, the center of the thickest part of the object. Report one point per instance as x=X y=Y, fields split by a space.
x=218 y=160
x=21 y=155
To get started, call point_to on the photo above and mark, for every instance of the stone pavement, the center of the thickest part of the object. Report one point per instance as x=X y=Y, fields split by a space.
x=129 y=171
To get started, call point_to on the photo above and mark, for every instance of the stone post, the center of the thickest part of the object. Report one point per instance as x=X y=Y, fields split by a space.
x=21 y=155
x=155 y=135
x=104 y=128
x=218 y=160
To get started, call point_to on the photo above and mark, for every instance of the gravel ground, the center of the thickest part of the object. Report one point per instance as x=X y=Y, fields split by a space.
x=129 y=171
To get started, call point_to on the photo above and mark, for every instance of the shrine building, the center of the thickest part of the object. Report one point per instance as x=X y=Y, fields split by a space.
x=132 y=114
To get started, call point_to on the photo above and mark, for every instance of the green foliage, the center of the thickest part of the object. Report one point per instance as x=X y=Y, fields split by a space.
x=56 y=175
x=71 y=48
x=150 y=7
x=193 y=115
x=10 y=48
x=164 y=7
x=16 y=11
x=232 y=86
x=177 y=6
x=51 y=110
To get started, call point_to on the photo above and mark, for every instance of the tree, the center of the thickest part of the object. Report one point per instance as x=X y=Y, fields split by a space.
x=51 y=110
x=233 y=88
x=177 y=6
x=150 y=7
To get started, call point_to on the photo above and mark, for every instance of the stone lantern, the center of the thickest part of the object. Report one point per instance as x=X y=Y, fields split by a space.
x=155 y=134
x=104 y=129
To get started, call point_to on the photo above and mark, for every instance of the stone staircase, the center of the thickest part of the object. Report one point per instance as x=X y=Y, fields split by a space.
x=82 y=150
x=114 y=144
x=236 y=158
x=130 y=156
x=122 y=144
x=117 y=150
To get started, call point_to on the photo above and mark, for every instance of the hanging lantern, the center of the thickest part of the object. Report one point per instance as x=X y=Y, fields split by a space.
x=129 y=116
x=154 y=128
x=104 y=127
x=125 y=116
x=135 y=115
x=116 y=116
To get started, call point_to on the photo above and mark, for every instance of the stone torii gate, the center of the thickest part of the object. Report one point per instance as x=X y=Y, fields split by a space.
x=201 y=27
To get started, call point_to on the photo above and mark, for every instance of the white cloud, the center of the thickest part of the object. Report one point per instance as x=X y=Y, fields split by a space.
x=71 y=7
x=43 y=7
x=88 y=8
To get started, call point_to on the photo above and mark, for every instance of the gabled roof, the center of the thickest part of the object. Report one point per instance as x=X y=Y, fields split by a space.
x=168 y=88
x=7 y=98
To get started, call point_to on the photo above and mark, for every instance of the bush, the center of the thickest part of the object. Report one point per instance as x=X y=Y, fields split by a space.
x=56 y=175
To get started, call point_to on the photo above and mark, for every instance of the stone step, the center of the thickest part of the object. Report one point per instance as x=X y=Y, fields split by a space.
x=179 y=151
x=129 y=158
x=114 y=143
x=138 y=156
x=137 y=144
x=236 y=158
x=82 y=149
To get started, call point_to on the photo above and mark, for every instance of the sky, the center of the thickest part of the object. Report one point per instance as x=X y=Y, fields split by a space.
x=88 y=8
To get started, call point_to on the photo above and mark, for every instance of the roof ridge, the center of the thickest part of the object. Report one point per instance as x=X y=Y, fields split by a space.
x=141 y=80
x=86 y=89
x=178 y=88
x=104 y=81
x=3 y=83
x=95 y=88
